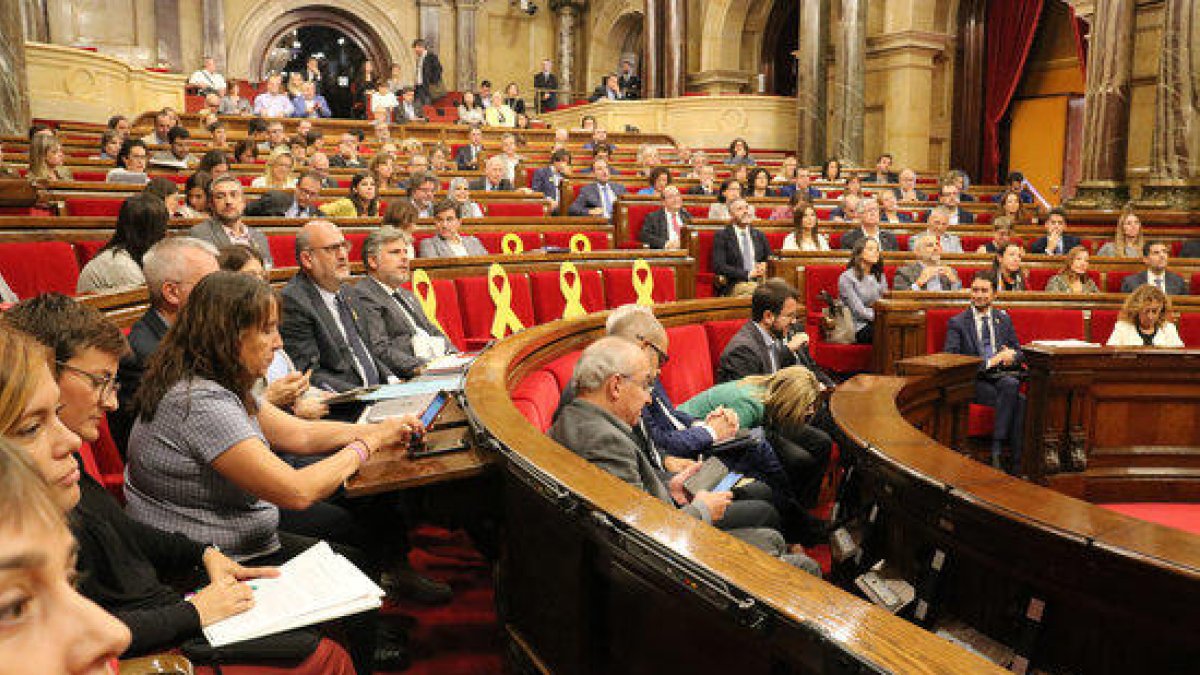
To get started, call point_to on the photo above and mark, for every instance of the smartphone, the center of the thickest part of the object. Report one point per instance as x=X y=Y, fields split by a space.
x=435 y=408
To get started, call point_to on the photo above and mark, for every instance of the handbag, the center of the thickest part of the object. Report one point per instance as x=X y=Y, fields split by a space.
x=837 y=323
x=292 y=646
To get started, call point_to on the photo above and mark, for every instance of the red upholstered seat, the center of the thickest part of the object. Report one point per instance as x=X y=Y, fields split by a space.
x=1047 y=324
x=1195 y=283
x=688 y=372
x=34 y=267
x=563 y=367
x=636 y=215
x=704 y=273
x=972 y=242
x=935 y=328
x=86 y=250
x=902 y=240
x=775 y=239
x=529 y=209
x=983 y=218
x=283 y=249
x=618 y=286
x=93 y=206
x=601 y=241
x=478 y=310
x=449 y=312
x=490 y=241
x=356 y=240
x=838 y=358
x=530 y=411
x=90 y=176
x=1189 y=329
x=763 y=212
x=835 y=240
x=1103 y=321
x=719 y=335
x=698 y=211
x=981 y=420
x=548 y=301
x=110 y=468
x=540 y=390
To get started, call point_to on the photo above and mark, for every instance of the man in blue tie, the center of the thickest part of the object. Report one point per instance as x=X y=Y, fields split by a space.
x=598 y=198
x=986 y=332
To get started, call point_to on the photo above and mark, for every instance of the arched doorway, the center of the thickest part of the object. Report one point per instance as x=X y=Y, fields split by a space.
x=780 y=39
x=618 y=34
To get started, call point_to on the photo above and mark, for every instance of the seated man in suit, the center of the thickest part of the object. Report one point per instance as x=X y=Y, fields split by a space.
x=609 y=89
x=802 y=183
x=612 y=382
x=547 y=180
x=847 y=210
x=1156 y=255
x=227 y=204
x=449 y=242
x=883 y=171
x=664 y=228
x=172 y=267
x=740 y=252
x=889 y=211
x=409 y=110
x=397 y=329
x=347 y=154
x=322 y=324
x=598 y=198
x=907 y=190
x=1056 y=241
x=309 y=103
x=707 y=174
x=493 y=177
x=421 y=188
x=949 y=198
x=937 y=226
x=927 y=273
x=469 y=156
x=868 y=221
x=986 y=332
x=301 y=203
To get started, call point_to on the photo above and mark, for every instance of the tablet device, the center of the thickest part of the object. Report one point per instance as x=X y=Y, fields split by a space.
x=727 y=482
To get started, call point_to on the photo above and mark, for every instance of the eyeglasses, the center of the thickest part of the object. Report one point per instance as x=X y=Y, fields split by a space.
x=340 y=247
x=647 y=385
x=105 y=385
x=662 y=356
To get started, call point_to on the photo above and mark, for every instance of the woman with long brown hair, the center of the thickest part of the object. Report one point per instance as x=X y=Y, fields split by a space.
x=1145 y=320
x=1073 y=277
x=806 y=235
x=861 y=285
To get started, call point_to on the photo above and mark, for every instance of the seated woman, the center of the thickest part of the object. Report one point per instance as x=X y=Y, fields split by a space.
x=729 y=191
x=889 y=211
x=278 y=173
x=382 y=168
x=47 y=159
x=110 y=145
x=402 y=215
x=1127 y=239
x=470 y=111
x=123 y=564
x=363 y=201
x=1073 y=277
x=854 y=186
x=660 y=178
x=1002 y=231
x=1007 y=266
x=739 y=153
x=806 y=236
x=195 y=196
x=460 y=192
x=861 y=285
x=512 y=98
x=439 y=159
x=141 y=223
x=132 y=159
x=1009 y=206
x=831 y=172
x=759 y=184
x=1145 y=321
x=167 y=191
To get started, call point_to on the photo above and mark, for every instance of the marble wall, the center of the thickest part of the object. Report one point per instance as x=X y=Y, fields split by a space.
x=78 y=85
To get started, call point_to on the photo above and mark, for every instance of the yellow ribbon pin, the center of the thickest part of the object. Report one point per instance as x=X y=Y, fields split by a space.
x=501 y=291
x=643 y=283
x=427 y=297
x=572 y=290
x=580 y=243
x=511 y=244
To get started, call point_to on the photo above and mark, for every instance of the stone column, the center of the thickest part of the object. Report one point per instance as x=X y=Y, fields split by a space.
x=429 y=15
x=568 y=12
x=14 y=85
x=851 y=73
x=1106 y=107
x=214 y=33
x=651 y=49
x=166 y=31
x=674 y=47
x=810 y=82
x=37 y=20
x=465 y=56
x=1175 y=178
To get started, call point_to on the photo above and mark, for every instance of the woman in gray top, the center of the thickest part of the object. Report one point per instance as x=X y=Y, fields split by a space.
x=141 y=223
x=861 y=285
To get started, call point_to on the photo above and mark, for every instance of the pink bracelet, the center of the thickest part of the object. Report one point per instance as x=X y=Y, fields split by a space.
x=360 y=446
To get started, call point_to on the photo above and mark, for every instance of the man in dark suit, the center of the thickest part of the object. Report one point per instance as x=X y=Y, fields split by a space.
x=907 y=190
x=227 y=204
x=628 y=81
x=664 y=228
x=609 y=90
x=312 y=73
x=347 y=154
x=548 y=180
x=1056 y=241
x=300 y=203
x=883 y=171
x=927 y=273
x=428 y=72
x=869 y=228
x=986 y=332
x=409 y=110
x=1157 y=256
x=600 y=197
x=398 y=331
x=172 y=267
x=949 y=198
x=802 y=183
x=468 y=157
x=493 y=177
x=545 y=85
x=322 y=324
x=740 y=251
x=707 y=174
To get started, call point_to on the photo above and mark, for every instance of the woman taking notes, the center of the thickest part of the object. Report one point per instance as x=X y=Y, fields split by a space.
x=1144 y=321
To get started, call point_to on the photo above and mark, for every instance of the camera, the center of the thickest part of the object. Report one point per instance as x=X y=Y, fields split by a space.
x=528 y=6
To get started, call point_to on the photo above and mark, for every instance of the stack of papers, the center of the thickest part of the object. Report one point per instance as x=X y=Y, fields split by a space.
x=315 y=586
x=449 y=363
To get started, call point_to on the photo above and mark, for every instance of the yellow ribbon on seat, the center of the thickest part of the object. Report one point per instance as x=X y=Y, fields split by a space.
x=580 y=243
x=427 y=298
x=511 y=244
x=572 y=290
x=506 y=319
x=643 y=283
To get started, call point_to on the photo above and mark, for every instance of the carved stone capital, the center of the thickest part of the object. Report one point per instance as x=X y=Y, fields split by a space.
x=558 y=6
x=1170 y=194
x=1084 y=9
x=925 y=43
x=1099 y=194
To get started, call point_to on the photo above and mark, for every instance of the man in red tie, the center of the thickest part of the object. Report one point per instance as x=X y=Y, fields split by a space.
x=664 y=228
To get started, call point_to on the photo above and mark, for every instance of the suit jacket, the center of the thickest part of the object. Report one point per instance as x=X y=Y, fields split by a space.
x=1068 y=242
x=402 y=116
x=690 y=441
x=436 y=247
x=1175 y=283
x=963 y=338
x=655 y=229
x=214 y=233
x=543 y=182
x=144 y=338
x=431 y=70
x=887 y=240
x=921 y=196
x=321 y=107
x=630 y=86
x=888 y=177
x=964 y=217
x=589 y=198
x=902 y=216
x=390 y=329
x=789 y=190
x=699 y=190
x=343 y=163
x=481 y=184
x=748 y=354
x=727 y=253
x=601 y=92
x=605 y=441
x=464 y=160
x=907 y=275
x=312 y=338
x=546 y=81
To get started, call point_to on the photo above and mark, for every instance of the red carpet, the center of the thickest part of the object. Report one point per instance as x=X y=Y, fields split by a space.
x=463 y=637
x=1184 y=517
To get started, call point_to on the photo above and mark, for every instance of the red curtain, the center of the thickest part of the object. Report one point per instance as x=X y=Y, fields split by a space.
x=1011 y=25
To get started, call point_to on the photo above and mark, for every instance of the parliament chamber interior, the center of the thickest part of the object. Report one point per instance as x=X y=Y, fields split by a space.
x=621 y=336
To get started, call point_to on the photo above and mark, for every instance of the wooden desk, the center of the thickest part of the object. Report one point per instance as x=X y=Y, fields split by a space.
x=1114 y=423
x=391 y=469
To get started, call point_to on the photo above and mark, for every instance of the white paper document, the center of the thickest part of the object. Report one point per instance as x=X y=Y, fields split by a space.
x=317 y=585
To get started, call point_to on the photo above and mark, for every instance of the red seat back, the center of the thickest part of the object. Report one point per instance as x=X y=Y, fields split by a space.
x=636 y=215
x=93 y=206
x=936 y=321
x=35 y=267
x=719 y=335
x=283 y=249
x=548 y=301
x=563 y=367
x=528 y=209
x=618 y=286
x=1047 y=324
x=688 y=372
x=449 y=312
x=1189 y=329
x=86 y=250
x=601 y=241
x=540 y=392
x=1103 y=322
x=478 y=310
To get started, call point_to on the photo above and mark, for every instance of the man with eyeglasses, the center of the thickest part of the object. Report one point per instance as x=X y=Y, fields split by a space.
x=323 y=324
x=227 y=205
x=304 y=199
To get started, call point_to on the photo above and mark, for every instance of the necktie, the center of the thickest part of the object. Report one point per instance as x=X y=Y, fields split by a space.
x=409 y=313
x=605 y=202
x=747 y=249
x=366 y=365
x=500 y=115
x=989 y=347
x=773 y=355
x=646 y=445
x=676 y=228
